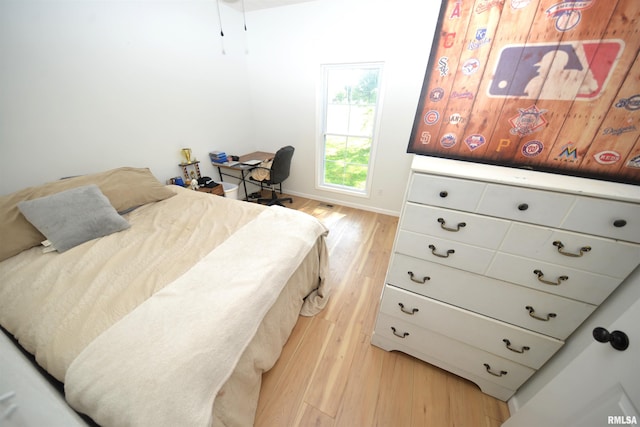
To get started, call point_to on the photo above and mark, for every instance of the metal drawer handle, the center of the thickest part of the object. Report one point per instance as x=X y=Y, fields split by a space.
x=403 y=335
x=560 y=246
x=404 y=310
x=458 y=227
x=413 y=278
x=507 y=343
x=533 y=314
x=433 y=251
x=548 y=282
x=488 y=368
x=618 y=223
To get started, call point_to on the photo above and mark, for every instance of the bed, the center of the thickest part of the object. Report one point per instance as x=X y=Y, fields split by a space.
x=171 y=319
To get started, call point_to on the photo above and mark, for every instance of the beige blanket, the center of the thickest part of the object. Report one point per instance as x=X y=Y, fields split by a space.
x=163 y=364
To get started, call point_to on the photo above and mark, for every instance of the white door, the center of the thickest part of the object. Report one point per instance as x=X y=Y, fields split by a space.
x=600 y=387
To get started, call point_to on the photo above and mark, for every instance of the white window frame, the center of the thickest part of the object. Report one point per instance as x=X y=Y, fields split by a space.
x=321 y=128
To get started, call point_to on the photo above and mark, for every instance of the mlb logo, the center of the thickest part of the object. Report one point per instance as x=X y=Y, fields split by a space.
x=576 y=70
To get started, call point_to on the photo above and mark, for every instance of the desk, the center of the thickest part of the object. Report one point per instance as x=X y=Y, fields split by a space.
x=243 y=169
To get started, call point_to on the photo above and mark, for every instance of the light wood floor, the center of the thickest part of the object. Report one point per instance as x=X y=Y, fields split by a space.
x=330 y=375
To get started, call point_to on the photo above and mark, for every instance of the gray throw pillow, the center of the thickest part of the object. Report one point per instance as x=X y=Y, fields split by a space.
x=72 y=217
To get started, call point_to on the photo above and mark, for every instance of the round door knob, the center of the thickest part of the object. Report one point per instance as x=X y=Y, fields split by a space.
x=619 y=223
x=443 y=194
x=523 y=207
x=618 y=339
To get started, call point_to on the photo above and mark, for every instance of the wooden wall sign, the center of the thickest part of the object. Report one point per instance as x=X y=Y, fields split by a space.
x=549 y=85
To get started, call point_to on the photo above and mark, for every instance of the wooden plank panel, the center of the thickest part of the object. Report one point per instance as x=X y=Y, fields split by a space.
x=618 y=131
x=448 y=43
x=363 y=385
x=466 y=407
x=296 y=377
x=431 y=401
x=485 y=108
x=394 y=403
x=330 y=378
x=478 y=40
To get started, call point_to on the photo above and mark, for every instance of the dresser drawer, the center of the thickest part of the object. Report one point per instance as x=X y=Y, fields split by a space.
x=517 y=344
x=557 y=279
x=521 y=204
x=447 y=252
x=579 y=251
x=607 y=218
x=446 y=192
x=454 y=225
x=490 y=297
x=470 y=359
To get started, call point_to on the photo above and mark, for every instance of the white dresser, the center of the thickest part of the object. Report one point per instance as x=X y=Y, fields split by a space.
x=493 y=268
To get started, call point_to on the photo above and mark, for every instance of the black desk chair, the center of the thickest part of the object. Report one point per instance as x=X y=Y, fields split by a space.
x=279 y=172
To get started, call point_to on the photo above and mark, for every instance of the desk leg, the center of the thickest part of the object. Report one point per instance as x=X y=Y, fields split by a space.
x=220 y=173
x=244 y=184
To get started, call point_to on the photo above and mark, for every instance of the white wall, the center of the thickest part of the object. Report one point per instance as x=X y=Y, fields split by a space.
x=87 y=85
x=287 y=45
x=90 y=85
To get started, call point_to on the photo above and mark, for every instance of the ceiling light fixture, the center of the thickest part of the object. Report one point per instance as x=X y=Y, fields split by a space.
x=244 y=20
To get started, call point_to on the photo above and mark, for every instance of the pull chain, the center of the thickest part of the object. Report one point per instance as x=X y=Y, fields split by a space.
x=221 y=31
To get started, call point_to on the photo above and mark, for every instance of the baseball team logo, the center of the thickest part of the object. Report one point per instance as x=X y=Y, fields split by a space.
x=455 y=13
x=634 y=162
x=449 y=38
x=485 y=5
x=458 y=95
x=577 y=70
x=480 y=40
x=619 y=131
x=431 y=117
x=631 y=104
x=527 y=121
x=448 y=140
x=567 y=13
x=470 y=66
x=474 y=141
x=443 y=66
x=456 y=119
x=425 y=137
x=568 y=153
x=436 y=94
x=607 y=157
x=532 y=148
x=519 y=4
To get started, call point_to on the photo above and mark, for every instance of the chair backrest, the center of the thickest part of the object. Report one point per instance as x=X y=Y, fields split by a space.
x=281 y=164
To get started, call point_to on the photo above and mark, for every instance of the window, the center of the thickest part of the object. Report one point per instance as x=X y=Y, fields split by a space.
x=349 y=115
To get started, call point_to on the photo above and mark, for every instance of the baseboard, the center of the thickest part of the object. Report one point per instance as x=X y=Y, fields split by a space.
x=343 y=203
x=513 y=404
